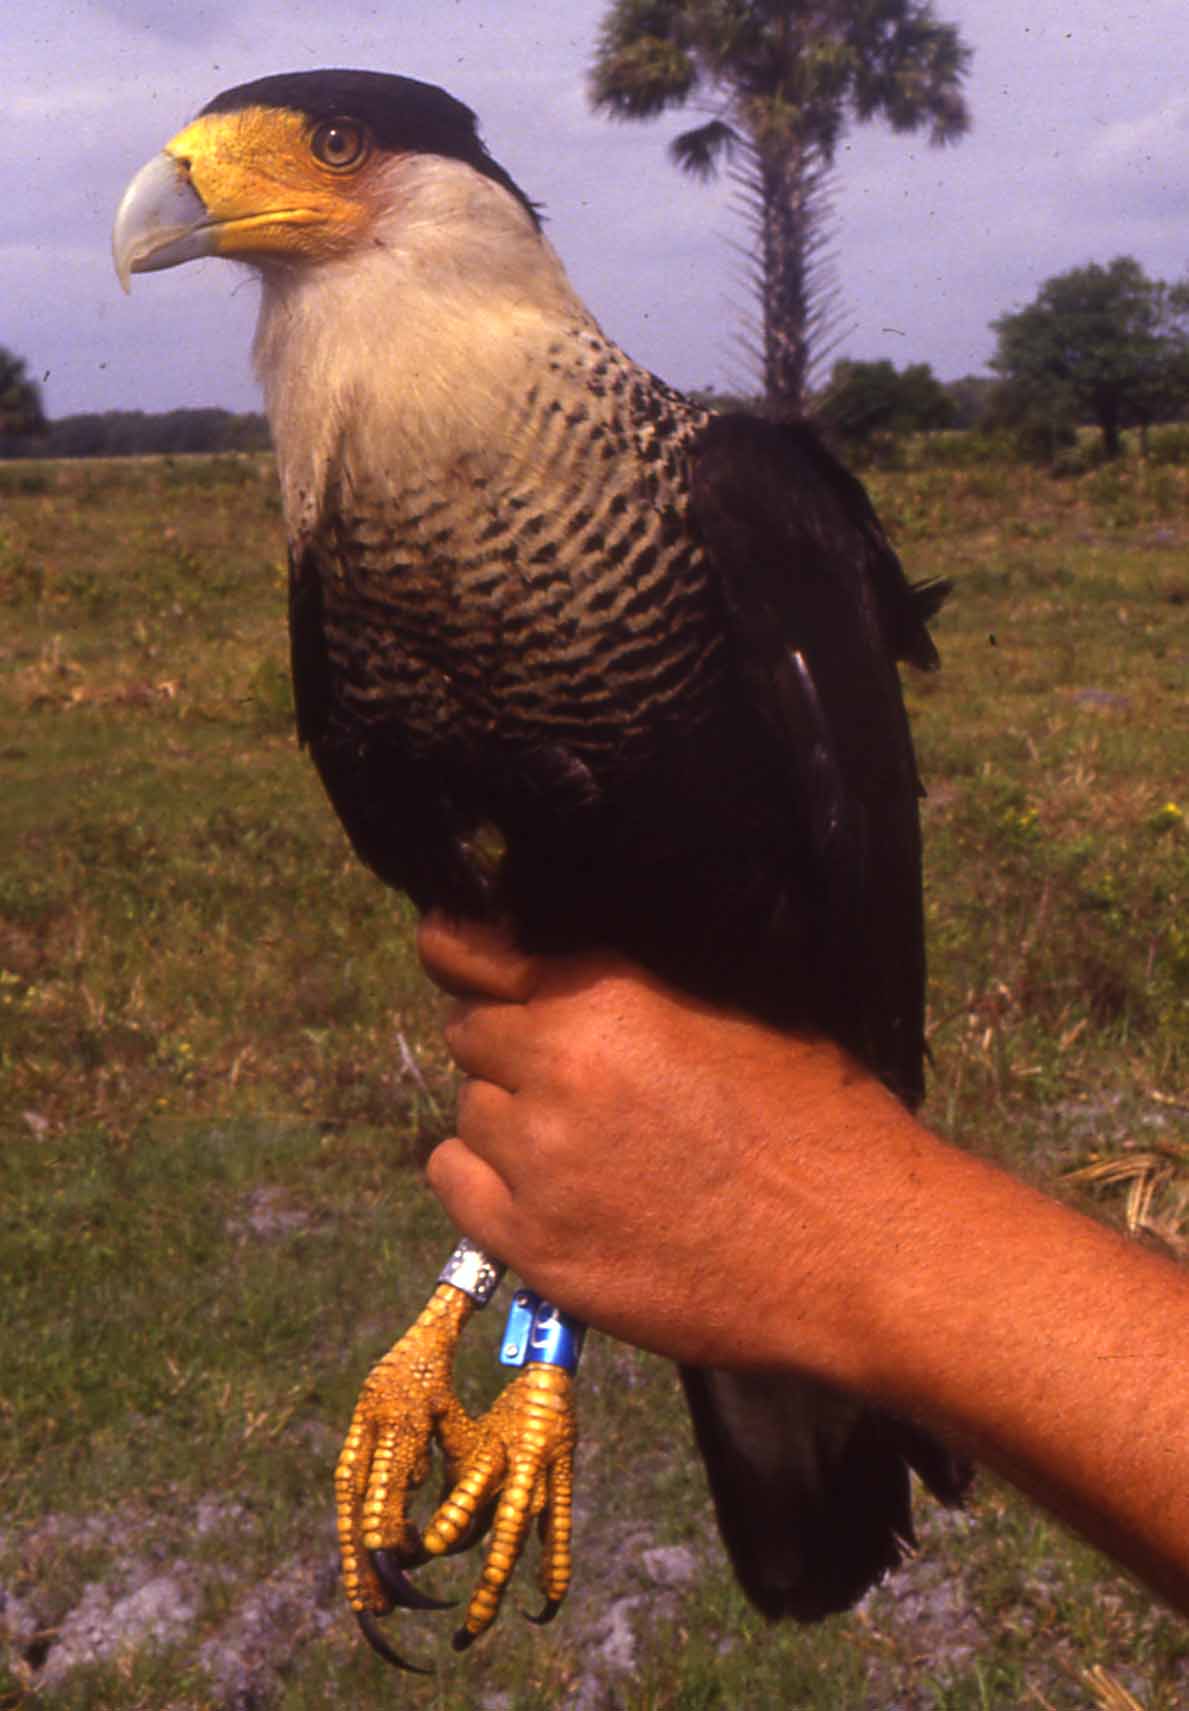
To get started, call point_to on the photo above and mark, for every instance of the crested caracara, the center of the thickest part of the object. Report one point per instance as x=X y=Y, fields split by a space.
x=542 y=603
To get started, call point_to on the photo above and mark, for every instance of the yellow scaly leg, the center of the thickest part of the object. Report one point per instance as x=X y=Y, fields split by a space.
x=522 y=1460
x=511 y=1465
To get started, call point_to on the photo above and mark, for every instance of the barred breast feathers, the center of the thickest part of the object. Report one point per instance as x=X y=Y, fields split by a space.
x=445 y=407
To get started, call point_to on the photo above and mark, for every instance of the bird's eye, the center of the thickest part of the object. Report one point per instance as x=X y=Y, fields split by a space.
x=339 y=143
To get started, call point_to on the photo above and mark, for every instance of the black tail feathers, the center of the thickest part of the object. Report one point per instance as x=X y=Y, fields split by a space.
x=811 y=1488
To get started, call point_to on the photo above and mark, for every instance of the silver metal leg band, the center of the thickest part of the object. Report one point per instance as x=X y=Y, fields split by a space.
x=470 y=1270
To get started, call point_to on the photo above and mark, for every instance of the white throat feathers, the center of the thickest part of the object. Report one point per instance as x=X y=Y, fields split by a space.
x=408 y=350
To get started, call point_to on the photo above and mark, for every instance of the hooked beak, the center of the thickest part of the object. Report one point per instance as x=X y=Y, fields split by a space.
x=161 y=221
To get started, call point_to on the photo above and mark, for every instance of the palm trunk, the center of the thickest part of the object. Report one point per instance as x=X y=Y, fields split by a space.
x=787 y=184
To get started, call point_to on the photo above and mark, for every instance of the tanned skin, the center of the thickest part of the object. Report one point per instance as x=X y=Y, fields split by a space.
x=716 y=1191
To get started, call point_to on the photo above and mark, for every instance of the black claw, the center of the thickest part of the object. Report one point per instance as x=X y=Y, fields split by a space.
x=552 y=1606
x=463 y=1640
x=370 y=1630
x=398 y=1586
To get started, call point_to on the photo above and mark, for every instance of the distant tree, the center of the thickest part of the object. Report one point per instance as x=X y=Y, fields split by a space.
x=865 y=400
x=1039 y=416
x=784 y=78
x=20 y=399
x=712 y=399
x=1106 y=344
x=971 y=397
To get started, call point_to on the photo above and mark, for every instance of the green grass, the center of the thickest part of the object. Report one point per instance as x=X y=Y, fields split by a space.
x=210 y=1215
x=1053 y=750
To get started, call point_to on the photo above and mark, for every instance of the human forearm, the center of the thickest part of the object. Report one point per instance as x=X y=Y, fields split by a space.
x=1051 y=1348
x=706 y=1187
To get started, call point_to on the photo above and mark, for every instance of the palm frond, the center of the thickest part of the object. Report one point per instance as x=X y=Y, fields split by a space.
x=700 y=151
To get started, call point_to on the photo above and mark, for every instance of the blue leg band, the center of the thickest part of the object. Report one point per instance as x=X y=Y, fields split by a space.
x=537 y=1331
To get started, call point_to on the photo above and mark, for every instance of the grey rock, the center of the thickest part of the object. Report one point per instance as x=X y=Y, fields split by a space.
x=269 y=1213
x=1104 y=698
x=670 y=1565
x=158 y=1612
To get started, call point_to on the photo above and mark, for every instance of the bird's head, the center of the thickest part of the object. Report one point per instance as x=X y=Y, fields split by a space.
x=406 y=282
x=293 y=169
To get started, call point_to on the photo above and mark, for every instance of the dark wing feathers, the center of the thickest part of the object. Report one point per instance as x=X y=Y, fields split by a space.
x=820 y=609
x=811 y=1488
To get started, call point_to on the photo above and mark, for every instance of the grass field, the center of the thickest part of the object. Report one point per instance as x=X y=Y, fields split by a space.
x=218 y=1068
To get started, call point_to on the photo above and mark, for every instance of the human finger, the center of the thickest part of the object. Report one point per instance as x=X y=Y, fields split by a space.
x=474 y=1195
x=493 y=1125
x=492 y=1041
x=466 y=957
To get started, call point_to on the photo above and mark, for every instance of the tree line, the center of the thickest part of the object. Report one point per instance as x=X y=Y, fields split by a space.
x=25 y=431
x=1101 y=345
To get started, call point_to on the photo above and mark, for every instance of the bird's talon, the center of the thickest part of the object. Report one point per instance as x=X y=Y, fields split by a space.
x=372 y=1633
x=406 y=1405
x=521 y=1468
x=400 y=1589
x=513 y=1465
x=545 y=1615
x=463 y=1640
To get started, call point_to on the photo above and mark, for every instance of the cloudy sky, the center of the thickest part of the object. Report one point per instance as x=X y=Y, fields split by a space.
x=1080 y=152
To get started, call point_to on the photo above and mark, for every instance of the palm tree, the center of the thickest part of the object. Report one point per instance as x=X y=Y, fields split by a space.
x=783 y=79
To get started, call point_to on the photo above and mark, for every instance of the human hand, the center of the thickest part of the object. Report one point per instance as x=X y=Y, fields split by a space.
x=667 y=1171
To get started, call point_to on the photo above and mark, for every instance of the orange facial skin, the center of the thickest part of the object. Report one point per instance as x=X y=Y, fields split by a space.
x=277 y=185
